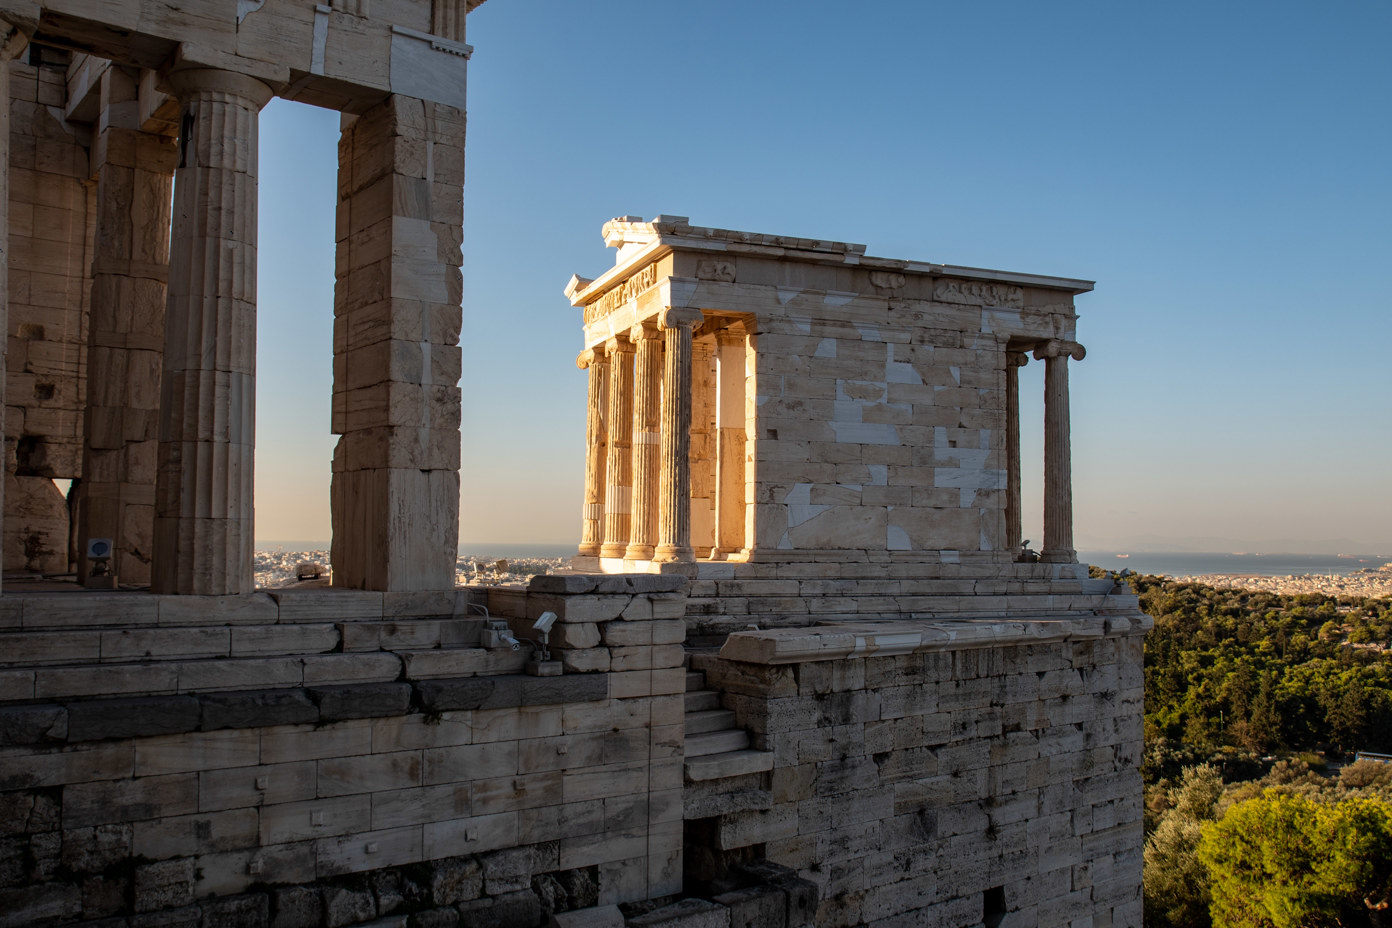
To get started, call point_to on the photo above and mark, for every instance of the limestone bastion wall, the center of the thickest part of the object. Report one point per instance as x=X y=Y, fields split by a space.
x=943 y=773
x=326 y=758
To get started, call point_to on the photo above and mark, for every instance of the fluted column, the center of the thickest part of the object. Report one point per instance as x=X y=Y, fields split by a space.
x=125 y=333
x=729 y=442
x=203 y=488
x=1058 y=466
x=674 y=503
x=594 y=361
x=1014 y=360
x=618 y=493
x=647 y=397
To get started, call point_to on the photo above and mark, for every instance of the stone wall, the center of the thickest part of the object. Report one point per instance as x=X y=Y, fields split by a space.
x=728 y=597
x=229 y=805
x=940 y=773
x=52 y=211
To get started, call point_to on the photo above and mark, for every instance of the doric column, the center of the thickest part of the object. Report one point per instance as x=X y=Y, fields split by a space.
x=619 y=491
x=125 y=335
x=674 y=502
x=1014 y=360
x=729 y=442
x=594 y=361
x=1058 y=467
x=203 y=491
x=647 y=398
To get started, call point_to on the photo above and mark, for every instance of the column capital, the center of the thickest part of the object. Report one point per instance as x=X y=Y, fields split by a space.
x=15 y=29
x=647 y=330
x=1016 y=358
x=187 y=82
x=589 y=356
x=618 y=344
x=673 y=317
x=1059 y=348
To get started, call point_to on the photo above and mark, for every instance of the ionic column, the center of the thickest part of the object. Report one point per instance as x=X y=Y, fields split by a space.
x=729 y=442
x=647 y=396
x=1058 y=467
x=592 y=519
x=674 y=504
x=203 y=488
x=1014 y=360
x=619 y=466
x=130 y=268
x=702 y=455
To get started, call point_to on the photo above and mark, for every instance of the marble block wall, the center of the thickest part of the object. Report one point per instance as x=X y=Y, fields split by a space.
x=51 y=215
x=443 y=778
x=940 y=773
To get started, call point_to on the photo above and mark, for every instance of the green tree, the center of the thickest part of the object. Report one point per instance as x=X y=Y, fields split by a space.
x=1282 y=860
x=1175 y=892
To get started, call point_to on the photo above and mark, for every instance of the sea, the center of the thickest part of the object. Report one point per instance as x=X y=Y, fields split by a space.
x=1243 y=563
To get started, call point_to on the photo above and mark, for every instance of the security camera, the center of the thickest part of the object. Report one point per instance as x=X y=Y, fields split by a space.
x=543 y=624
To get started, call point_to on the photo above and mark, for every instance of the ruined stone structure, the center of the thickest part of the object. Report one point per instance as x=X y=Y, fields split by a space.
x=804 y=672
x=112 y=107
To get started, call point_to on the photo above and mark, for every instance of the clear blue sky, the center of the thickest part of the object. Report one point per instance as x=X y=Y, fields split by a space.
x=1221 y=170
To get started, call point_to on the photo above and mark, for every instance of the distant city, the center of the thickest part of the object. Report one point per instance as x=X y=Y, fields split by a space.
x=278 y=564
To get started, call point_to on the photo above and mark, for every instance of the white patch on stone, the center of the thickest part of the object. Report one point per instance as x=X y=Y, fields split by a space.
x=950 y=557
x=800 y=505
x=846 y=411
x=897 y=539
x=879 y=474
x=869 y=333
x=803 y=323
x=956 y=373
x=901 y=372
x=787 y=293
x=245 y=7
x=866 y=433
x=785 y=543
x=838 y=298
x=826 y=348
x=985 y=540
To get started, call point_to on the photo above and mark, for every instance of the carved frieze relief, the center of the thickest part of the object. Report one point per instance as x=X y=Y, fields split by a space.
x=711 y=269
x=621 y=294
x=978 y=293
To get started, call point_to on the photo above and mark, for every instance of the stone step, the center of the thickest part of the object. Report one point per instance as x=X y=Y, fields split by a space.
x=716 y=742
x=729 y=764
x=709 y=720
x=695 y=680
x=701 y=700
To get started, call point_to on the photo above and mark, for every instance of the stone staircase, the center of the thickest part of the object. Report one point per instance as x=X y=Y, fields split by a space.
x=715 y=746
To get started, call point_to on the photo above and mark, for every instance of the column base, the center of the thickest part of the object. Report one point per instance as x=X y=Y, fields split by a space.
x=613 y=549
x=1064 y=556
x=638 y=553
x=588 y=550
x=664 y=554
